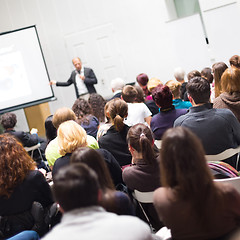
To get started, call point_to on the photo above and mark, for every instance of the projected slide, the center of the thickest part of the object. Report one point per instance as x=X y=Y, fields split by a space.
x=24 y=79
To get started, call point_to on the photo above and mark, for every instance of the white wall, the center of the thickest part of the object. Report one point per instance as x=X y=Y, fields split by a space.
x=115 y=38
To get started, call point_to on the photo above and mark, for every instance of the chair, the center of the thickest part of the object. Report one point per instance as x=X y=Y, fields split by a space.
x=144 y=197
x=235 y=182
x=225 y=155
x=30 y=150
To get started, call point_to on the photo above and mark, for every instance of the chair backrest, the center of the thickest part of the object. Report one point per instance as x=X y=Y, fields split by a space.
x=158 y=143
x=143 y=197
x=223 y=155
x=31 y=149
x=235 y=182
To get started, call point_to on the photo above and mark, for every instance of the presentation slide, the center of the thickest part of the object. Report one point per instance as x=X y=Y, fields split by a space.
x=24 y=79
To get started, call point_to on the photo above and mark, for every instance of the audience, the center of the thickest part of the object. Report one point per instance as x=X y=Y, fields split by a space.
x=52 y=150
x=112 y=200
x=117 y=85
x=50 y=130
x=144 y=174
x=115 y=138
x=179 y=74
x=70 y=136
x=189 y=203
x=97 y=103
x=85 y=117
x=152 y=83
x=21 y=186
x=218 y=129
x=235 y=61
x=142 y=80
x=167 y=115
x=77 y=191
x=218 y=69
x=230 y=96
x=207 y=74
x=178 y=103
x=137 y=112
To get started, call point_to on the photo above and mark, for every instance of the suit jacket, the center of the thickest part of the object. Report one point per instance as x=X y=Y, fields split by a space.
x=90 y=80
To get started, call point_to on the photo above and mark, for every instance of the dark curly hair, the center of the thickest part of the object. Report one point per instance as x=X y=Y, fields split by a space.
x=97 y=103
x=15 y=164
x=82 y=110
x=8 y=120
x=162 y=96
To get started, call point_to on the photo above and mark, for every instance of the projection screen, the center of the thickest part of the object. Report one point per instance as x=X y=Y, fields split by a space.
x=24 y=79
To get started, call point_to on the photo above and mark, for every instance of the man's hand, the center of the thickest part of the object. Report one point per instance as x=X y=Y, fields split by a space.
x=82 y=77
x=34 y=131
x=52 y=82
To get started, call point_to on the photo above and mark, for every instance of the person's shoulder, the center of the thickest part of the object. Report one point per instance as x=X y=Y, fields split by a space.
x=179 y=121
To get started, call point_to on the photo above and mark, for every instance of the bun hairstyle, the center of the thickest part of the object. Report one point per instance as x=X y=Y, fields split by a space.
x=117 y=110
x=140 y=137
x=235 y=61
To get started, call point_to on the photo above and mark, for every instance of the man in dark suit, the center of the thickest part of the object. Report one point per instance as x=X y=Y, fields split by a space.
x=117 y=85
x=83 y=79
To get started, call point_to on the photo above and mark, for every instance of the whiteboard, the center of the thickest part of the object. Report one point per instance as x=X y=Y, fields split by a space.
x=222 y=26
x=24 y=79
x=188 y=43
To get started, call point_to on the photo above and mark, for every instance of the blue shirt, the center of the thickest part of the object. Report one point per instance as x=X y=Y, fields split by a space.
x=180 y=104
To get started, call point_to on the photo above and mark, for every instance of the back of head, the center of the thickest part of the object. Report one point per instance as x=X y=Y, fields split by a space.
x=70 y=136
x=129 y=94
x=97 y=103
x=62 y=115
x=179 y=74
x=8 y=120
x=117 y=111
x=117 y=84
x=162 y=96
x=199 y=89
x=75 y=186
x=230 y=80
x=81 y=108
x=174 y=87
x=140 y=94
x=152 y=83
x=140 y=137
x=15 y=164
x=142 y=79
x=95 y=161
x=218 y=70
x=207 y=74
x=192 y=74
x=183 y=165
x=51 y=131
x=235 y=61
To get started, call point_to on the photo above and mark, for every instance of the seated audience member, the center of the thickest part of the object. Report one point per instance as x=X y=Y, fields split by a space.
x=167 y=115
x=152 y=83
x=179 y=74
x=189 y=203
x=97 y=103
x=218 y=69
x=230 y=96
x=115 y=138
x=70 y=136
x=50 y=130
x=104 y=127
x=117 y=85
x=218 y=129
x=112 y=200
x=60 y=116
x=137 y=112
x=85 y=118
x=77 y=191
x=190 y=75
x=207 y=74
x=144 y=174
x=177 y=101
x=21 y=186
x=9 y=121
x=235 y=61
x=142 y=80
x=25 y=235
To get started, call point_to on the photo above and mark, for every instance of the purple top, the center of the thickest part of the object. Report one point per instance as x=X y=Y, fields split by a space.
x=164 y=120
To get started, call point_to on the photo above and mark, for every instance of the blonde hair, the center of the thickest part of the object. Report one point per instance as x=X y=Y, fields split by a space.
x=70 y=136
x=62 y=115
x=152 y=83
x=174 y=88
